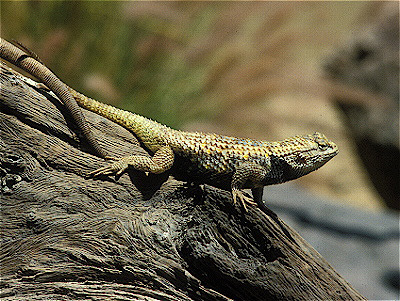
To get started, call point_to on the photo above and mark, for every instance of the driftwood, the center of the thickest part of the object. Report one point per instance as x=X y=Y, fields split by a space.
x=69 y=237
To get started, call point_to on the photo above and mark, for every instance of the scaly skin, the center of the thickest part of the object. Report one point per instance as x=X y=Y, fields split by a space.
x=30 y=63
x=226 y=162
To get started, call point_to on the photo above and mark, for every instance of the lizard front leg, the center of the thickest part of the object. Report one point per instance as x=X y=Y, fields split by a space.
x=161 y=161
x=248 y=174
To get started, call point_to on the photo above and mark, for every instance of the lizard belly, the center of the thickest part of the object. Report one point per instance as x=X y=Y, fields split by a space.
x=190 y=169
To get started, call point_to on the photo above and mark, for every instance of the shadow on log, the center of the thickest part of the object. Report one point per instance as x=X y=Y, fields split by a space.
x=68 y=237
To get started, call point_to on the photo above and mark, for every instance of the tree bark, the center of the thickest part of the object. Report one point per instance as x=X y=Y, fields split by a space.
x=66 y=236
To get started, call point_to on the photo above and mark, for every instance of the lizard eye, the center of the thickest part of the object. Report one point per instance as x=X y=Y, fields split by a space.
x=323 y=146
x=321 y=140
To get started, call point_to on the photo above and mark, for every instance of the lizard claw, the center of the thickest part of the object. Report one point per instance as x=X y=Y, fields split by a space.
x=112 y=158
x=236 y=193
x=117 y=168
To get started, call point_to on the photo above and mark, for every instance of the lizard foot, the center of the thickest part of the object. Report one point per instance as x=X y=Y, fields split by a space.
x=117 y=168
x=236 y=193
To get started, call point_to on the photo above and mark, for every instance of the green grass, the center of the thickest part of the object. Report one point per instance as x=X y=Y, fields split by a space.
x=176 y=61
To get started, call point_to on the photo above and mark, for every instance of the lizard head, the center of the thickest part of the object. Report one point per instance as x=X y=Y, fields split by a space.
x=307 y=153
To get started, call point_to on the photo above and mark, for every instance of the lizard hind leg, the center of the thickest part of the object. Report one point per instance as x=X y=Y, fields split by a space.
x=161 y=161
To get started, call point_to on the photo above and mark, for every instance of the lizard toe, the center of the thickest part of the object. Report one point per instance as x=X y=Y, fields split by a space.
x=245 y=200
x=116 y=168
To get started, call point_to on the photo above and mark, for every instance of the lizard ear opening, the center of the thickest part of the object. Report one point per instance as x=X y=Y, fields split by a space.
x=300 y=159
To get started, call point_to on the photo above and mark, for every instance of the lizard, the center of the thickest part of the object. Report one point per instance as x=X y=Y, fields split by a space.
x=225 y=162
x=29 y=62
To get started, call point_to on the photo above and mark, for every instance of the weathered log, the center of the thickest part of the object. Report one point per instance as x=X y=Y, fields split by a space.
x=68 y=237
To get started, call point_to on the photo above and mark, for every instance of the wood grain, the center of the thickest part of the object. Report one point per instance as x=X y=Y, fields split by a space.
x=69 y=237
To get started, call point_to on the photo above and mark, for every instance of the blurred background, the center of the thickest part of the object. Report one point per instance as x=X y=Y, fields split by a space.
x=265 y=70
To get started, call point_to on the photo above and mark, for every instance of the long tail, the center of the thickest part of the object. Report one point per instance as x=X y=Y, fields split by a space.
x=29 y=63
x=150 y=132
